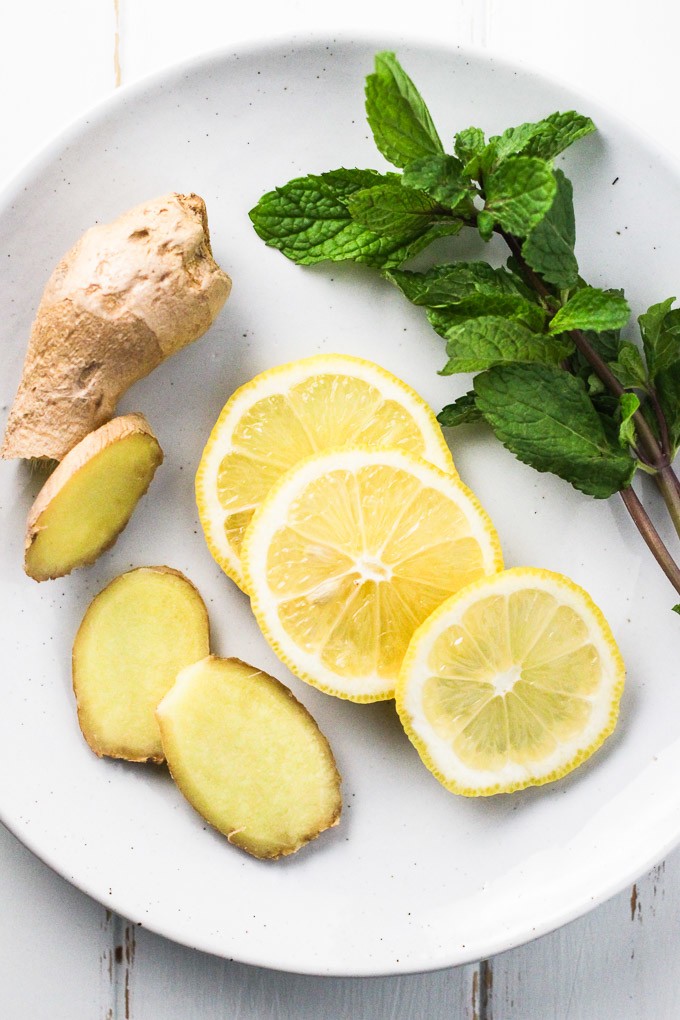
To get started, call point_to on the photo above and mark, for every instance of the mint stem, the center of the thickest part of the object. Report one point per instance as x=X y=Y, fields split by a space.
x=669 y=487
x=651 y=536
x=657 y=454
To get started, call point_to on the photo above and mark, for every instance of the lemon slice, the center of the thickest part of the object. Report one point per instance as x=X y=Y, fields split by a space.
x=511 y=683
x=290 y=412
x=350 y=552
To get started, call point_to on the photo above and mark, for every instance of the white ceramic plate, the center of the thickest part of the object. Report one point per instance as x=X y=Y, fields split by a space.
x=414 y=878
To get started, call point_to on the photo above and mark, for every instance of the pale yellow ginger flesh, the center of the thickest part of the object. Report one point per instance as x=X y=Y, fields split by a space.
x=90 y=497
x=249 y=757
x=128 y=295
x=135 y=637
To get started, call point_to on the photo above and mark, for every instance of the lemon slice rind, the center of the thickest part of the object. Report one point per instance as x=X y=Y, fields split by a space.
x=437 y=753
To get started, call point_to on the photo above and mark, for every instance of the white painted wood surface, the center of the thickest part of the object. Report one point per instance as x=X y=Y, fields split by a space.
x=62 y=956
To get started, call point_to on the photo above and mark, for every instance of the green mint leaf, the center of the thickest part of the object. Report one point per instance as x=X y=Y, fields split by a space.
x=481 y=163
x=629 y=368
x=549 y=248
x=651 y=323
x=469 y=143
x=593 y=309
x=607 y=343
x=519 y=193
x=452 y=282
x=512 y=307
x=660 y=330
x=485 y=224
x=514 y=140
x=676 y=609
x=463 y=411
x=545 y=417
x=667 y=385
x=557 y=132
x=440 y=176
x=481 y=343
x=544 y=138
x=630 y=403
x=595 y=385
x=399 y=119
x=392 y=210
x=308 y=221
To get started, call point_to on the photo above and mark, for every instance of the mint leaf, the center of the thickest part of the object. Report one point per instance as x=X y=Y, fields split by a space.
x=629 y=368
x=514 y=140
x=607 y=343
x=392 y=210
x=401 y=123
x=667 y=384
x=557 y=132
x=660 y=330
x=591 y=308
x=676 y=609
x=504 y=306
x=449 y=283
x=630 y=403
x=519 y=193
x=481 y=163
x=440 y=176
x=549 y=248
x=468 y=143
x=545 y=417
x=308 y=220
x=478 y=344
x=463 y=411
x=543 y=138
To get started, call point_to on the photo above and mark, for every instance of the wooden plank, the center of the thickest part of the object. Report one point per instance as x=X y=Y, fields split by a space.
x=211 y=988
x=55 y=943
x=621 y=960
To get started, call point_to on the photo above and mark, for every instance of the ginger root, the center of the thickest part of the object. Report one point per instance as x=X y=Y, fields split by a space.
x=89 y=498
x=249 y=757
x=127 y=296
x=135 y=636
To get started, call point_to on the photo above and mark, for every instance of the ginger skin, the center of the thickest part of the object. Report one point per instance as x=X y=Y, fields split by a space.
x=125 y=297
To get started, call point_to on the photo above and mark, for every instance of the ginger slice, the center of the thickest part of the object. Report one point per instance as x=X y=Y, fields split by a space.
x=249 y=757
x=128 y=295
x=136 y=635
x=89 y=498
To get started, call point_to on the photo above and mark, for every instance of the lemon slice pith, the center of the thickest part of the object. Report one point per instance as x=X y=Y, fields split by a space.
x=290 y=412
x=513 y=682
x=349 y=552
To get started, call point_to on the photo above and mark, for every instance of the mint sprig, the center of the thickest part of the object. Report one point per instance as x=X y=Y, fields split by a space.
x=555 y=380
x=400 y=121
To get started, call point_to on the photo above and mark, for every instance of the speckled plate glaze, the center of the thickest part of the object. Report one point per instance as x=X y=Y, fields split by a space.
x=414 y=878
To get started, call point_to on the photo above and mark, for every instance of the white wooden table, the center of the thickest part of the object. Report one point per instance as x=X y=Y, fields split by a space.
x=64 y=957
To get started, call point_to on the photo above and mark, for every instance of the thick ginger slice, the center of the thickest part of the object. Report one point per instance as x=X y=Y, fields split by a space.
x=136 y=635
x=249 y=757
x=128 y=295
x=90 y=496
